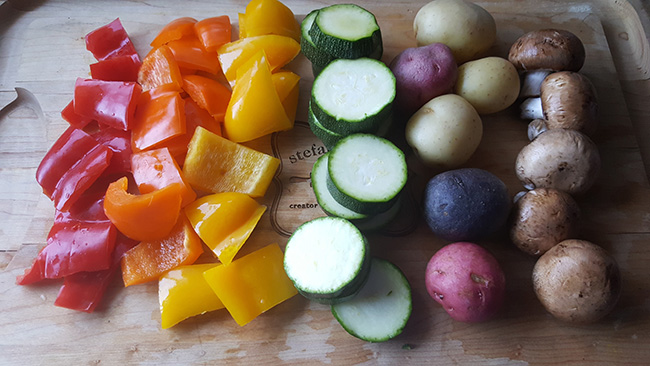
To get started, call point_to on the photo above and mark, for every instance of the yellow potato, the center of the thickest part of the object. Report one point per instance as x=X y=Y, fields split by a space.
x=490 y=84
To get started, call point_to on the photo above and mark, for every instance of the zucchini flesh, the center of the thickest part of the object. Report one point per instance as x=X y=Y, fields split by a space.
x=366 y=173
x=327 y=259
x=318 y=57
x=328 y=137
x=381 y=309
x=353 y=95
x=324 y=197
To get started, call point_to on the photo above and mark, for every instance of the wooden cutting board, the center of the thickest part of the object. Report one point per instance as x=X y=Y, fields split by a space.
x=43 y=52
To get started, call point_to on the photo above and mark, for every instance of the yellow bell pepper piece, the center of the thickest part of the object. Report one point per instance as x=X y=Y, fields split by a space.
x=268 y=17
x=255 y=109
x=252 y=284
x=183 y=292
x=224 y=221
x=280 y=50
x=215 y=164
x=288 y=89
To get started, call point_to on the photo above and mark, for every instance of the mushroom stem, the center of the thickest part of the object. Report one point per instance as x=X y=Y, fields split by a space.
x=531 y=108
x=536 y=127
x=532 y=84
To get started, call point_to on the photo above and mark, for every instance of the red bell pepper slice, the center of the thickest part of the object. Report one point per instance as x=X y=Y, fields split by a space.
x=214 y=32
x=120 y=143
x=160 y=116
x=90 y=205
x=109 y=41
x=71 y=146
x=111 y=103
x=81 y=176
x=73 y=246
x=118 y=68
x=176 y=29
x=83 y=291
x=73 y=118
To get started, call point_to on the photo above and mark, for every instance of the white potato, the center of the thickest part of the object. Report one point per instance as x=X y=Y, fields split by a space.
x=468 y=29
x=445 y=132
x=490 y=84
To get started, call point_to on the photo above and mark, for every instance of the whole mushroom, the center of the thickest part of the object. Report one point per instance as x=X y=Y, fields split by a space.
x=566 y=160
x=543 y=217
x=567 y=100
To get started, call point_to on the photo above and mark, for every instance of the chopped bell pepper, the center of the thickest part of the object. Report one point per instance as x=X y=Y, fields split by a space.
x=160 y=68
x=288 y=88
x=190 y=54
x=120 y=143
x=209 y=94
x=176 y=29
x=149 y=216
x=268 y=17
x=224 y=221
x=109 y=41
x=75 y=120
x=148 y=260
x=183 y=292
x=255 y=109
x=111 y=103
x=214 y=32
x=119 y=68
x=252 y=284
x=215 y=164
x=280 y=50
x=156 y=169
x=160 y=116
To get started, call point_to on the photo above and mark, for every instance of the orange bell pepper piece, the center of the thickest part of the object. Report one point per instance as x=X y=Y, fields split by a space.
x=280 y=50
x=208 y=94
x=255 y=109
x=288 y=88
x=214 y=32
x=224 y=221
x=252 y=284
x=268 y=17
x=195 y=116
x=190 y=54
x=176 y=29
x=215 y=164
x=159 y=117
x=183 y=292
x=149 y=216
x=149 y=260
x=159 y=68
x=156 y=169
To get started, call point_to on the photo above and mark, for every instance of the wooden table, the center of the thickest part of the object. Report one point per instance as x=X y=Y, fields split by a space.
x=41 y=54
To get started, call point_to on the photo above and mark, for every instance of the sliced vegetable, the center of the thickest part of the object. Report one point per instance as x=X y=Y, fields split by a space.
x=214 y=32
x=118 y=68
x=183 y=292
x=287 y=85
x=120 y=143
x=268 y=17
x=149 y=260
x=160 y=68
x=318 y=57
x=224 y=221
x=109 y=41
x=75 y=120
x=319 y=177
x=149 y=216
x=255 y=109
x=111 y=103
x=160 y=117
x=327 y=259
x=381 y=309
x=215 y=164
x=252 y=284
x=176 y=29
x=156 y=169
x=190 y=54
x=209 y=94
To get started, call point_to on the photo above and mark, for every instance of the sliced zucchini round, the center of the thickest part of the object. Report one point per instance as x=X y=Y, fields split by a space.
x=329 y=138
x=351 y=96
x=318 y=57
x=379 y=221
x=366 y=173
x=381 y=309
x=327 y=259
x=324 y=197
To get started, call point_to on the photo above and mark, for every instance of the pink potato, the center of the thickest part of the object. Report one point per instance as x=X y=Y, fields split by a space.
x=421 y=74
x=467 y=281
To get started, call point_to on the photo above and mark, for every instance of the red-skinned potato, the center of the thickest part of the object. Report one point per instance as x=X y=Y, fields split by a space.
x=421 y=74
x=467 y=281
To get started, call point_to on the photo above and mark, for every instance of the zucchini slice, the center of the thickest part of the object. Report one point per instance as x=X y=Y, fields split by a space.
x=381 y=309
x=329 y=138
x=366 y=173
x=327 y=259
x=323 y=195
x=351 y=96
x=318 y=57
x=346 y=31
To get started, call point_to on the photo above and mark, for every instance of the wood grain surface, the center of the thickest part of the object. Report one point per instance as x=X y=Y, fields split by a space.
x=42 y=52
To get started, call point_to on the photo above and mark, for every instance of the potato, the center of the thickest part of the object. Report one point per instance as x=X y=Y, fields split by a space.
x=467 y=281
x=468 y=29
x=445 y=132
x=490 y=84
x=465 y=204
x=577 y=281
x=421 y=74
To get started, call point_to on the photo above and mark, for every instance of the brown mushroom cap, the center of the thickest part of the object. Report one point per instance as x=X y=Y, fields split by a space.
x=577 y=281
x=566 y=160
x=552 y=49
x=542 y=218
x=569 y=101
